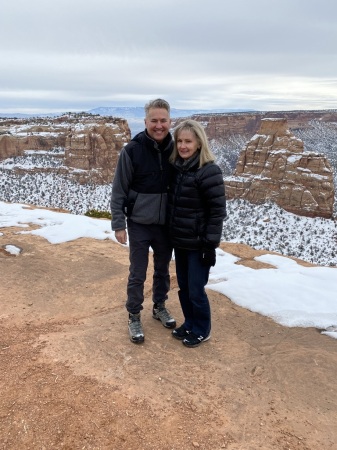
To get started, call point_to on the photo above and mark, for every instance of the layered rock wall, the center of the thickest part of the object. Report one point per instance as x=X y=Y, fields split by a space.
x=219 y=126
x=96 y=149
x=91 y=143
x=274 y=166
x=15 y=145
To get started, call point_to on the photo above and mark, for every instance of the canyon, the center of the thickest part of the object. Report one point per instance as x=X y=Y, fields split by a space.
x=84 y=148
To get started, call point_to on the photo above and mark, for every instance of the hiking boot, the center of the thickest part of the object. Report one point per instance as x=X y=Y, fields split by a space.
x=180 y=333
x=192 y=340
x=135 y=328
x=159 y=312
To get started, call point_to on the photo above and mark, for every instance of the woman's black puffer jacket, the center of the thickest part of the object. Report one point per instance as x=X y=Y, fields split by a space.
x=196 y=205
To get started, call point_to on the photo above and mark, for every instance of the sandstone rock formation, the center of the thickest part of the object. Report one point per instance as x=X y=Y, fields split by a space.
x=274 y=166
x=15 y=145
x=220 y=125
x=91 y=143
x=96 y=148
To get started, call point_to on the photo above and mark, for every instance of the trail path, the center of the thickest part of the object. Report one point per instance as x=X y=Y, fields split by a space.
x=71 y=379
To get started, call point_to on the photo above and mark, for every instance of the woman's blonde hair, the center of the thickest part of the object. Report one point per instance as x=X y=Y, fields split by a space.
x=194 y=127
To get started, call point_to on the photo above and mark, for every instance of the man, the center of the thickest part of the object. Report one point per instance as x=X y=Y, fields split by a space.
x=138 y=203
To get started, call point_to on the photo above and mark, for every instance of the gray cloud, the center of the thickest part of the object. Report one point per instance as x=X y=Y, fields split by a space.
x=79 y=55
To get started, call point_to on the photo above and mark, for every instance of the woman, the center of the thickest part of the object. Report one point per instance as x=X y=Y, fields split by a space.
x=197 y=208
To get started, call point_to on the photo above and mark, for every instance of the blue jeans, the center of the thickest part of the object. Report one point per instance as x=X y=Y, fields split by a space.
x=141 y=238
x=192 y=278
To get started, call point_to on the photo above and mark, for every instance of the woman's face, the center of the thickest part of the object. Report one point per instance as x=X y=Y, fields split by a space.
x=187 y=144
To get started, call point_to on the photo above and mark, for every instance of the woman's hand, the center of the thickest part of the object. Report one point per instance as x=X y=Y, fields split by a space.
x=208 y=257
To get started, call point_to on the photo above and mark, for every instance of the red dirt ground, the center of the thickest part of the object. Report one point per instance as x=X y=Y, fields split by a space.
x=71 y=379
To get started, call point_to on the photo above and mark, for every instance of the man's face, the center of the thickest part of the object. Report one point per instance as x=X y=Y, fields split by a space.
x=158 y=124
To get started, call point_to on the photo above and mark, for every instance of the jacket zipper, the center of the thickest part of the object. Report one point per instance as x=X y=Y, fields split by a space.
x=160 y=159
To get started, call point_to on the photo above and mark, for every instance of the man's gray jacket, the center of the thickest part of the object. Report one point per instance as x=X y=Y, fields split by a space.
x=140 y=185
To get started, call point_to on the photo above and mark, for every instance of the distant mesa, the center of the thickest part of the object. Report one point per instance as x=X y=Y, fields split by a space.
x=274 y=167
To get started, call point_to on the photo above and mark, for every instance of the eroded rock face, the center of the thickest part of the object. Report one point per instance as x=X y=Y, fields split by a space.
x=222 y=125
x=13 y=145
x=97 y=147
x=91 y=143
x=274 y=166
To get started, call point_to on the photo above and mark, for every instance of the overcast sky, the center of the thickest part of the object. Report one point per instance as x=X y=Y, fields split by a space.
x=74 y=55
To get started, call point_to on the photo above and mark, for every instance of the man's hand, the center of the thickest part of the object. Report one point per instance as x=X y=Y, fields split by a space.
x=121 y=236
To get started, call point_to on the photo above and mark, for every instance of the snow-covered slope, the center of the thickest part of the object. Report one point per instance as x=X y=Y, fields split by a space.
x=260 y=226
x=37 y=179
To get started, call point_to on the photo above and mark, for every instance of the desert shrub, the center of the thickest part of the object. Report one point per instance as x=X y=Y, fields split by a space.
x=98 y=214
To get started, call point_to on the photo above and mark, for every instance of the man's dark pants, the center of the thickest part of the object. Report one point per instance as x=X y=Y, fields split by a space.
x=141 y=238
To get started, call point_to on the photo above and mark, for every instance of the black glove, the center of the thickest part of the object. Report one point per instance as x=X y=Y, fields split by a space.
x=208 y=257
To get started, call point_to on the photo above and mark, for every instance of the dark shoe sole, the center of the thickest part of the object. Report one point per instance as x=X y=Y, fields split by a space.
x=139 y=340
x=189 y=345
x=170 y=325
x=179 y=337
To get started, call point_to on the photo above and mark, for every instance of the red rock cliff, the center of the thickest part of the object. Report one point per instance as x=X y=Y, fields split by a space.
x=219 y=126
x=91 y=143
x=273 y=166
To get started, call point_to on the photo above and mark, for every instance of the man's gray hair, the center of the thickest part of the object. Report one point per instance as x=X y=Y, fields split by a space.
x=157 y=103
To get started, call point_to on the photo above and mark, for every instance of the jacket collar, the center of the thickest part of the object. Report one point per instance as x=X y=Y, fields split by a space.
x=187 y=164
x=166 y=144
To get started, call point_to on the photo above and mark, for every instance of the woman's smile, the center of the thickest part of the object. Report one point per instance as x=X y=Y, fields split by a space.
x=187 y=144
